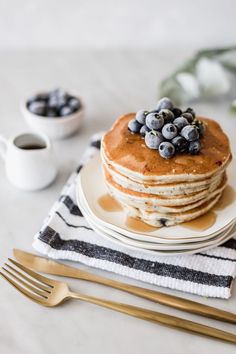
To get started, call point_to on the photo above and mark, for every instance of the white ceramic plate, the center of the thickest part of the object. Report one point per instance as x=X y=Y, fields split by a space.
x=93 y=188
x=192 y=247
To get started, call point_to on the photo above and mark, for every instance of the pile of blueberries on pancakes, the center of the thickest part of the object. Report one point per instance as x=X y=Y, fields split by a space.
x=168 y=129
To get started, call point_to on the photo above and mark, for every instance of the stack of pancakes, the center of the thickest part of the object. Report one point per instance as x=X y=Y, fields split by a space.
x=164 y=192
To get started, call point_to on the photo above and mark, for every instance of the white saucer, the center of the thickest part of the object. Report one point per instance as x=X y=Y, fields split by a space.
x=92 y=185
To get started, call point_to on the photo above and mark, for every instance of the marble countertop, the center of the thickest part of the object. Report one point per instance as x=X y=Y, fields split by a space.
x=111 y=83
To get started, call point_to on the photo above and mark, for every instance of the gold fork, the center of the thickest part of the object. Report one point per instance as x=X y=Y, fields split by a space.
x=48 y=292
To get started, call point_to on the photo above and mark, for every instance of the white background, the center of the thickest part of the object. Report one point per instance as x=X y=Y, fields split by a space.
x=114 y=53
x=156 y=24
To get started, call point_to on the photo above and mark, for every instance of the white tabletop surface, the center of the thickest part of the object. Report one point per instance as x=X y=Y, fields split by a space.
x=111 y=83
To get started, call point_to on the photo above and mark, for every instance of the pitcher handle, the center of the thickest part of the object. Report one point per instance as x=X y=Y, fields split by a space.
x=3 y=147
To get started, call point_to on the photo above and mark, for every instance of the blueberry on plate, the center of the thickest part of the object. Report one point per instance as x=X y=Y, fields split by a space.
x=190 y=132
x=153 y=139
x=166 y=150
x=177 y=112
x=188 y=116
x=180 y=144
x=134 y=126
x=180 y=122
x=169 y=131
x=164 y=103
x=141 y=116
x=74 y=103
x=154 y=121
x=167 y=115
x=144 y=130
x=190 y=110
x=194 y=147
x=37 y=107
x=65 y=111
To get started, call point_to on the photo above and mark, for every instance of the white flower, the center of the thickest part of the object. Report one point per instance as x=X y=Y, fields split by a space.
x=212 y=77
x=189 y=84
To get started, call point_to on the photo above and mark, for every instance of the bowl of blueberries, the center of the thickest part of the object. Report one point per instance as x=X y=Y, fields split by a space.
x=56 y=113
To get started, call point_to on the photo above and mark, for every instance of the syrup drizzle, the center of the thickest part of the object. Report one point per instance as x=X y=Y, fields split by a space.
x=108 y=203
x=138 y=225
x=202 y=222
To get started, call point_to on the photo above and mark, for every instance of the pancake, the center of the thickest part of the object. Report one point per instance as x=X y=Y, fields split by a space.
x=154 y=189
x=178 y=188
x=129 y=155
x=159 y=220
x=156 y=203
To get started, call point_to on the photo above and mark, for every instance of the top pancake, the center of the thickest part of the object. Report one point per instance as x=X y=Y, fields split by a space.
x=128 y=153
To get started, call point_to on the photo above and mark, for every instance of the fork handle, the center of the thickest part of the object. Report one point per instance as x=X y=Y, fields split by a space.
x=156 y=296
x=158 y=317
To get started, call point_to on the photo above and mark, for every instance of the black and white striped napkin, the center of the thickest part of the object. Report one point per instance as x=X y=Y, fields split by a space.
x=65 y=234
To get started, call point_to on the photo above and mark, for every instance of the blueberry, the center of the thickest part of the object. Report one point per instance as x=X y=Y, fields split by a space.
x=37 y=107
x=188 y=116
x=144 y=130
x=65 y=111
x=166 y=150
x=154 y=111
x=164 y=103
x=194 y=147
x=190 y=110
x=180 y=122
x=61 y=102
x=180 y=143
x=153 y=139
x=141 y=116
x=59 y=93
x=42 y=97
x=51 y=112
x=74 y=103
x=31 y=99
x=190 y=133
x=177 y=112
x=154 y=121
x=52 y=102
x=167 y=115
x=200 y=127
x=134 y=126
x=169 y=131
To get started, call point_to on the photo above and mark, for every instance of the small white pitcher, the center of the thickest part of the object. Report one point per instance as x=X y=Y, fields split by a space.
x=29 y=160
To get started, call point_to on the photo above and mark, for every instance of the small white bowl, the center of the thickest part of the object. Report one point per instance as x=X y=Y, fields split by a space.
x=54 y=127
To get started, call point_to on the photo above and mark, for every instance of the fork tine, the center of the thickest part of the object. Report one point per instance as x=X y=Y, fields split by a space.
x=30 y=280
x=44 y=280
x=22 y=290
x=26 y=284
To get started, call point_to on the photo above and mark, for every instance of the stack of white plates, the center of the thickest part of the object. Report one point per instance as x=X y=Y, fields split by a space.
x=164 y=241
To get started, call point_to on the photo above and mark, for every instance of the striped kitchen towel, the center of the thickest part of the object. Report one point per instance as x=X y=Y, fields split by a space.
x=65 y=234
